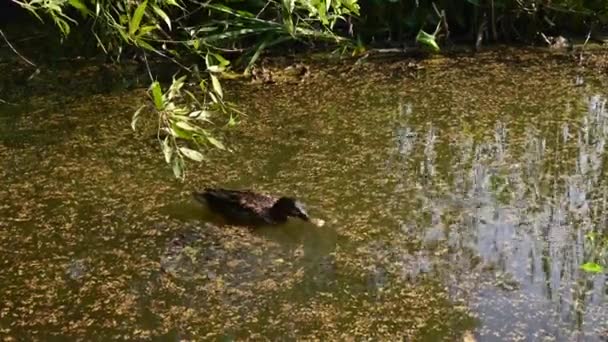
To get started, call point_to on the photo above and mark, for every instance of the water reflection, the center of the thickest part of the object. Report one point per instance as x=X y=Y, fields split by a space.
x=513 y=212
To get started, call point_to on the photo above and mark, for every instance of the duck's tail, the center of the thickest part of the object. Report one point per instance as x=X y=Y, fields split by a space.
x=200 y=196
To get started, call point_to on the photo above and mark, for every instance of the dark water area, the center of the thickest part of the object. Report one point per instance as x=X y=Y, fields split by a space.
x=459 y=197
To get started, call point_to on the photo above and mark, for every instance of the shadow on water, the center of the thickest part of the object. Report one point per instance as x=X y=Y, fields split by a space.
x=314 y=244
x=452 y=212
x=316 y=241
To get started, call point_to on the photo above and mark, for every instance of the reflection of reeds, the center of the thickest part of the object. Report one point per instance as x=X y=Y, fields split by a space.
x=524 y=203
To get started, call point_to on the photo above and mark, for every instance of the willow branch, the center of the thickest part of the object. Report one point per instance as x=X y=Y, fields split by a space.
x=15 y=50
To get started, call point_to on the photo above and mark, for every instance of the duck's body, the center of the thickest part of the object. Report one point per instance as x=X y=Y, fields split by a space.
x=246 y=207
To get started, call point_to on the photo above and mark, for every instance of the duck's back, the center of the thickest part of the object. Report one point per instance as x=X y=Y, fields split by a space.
x=239 y=206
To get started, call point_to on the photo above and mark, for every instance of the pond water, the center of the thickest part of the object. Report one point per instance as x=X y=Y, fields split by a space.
x=457 y=194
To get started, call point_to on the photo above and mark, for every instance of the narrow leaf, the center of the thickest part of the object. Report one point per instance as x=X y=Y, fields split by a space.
x=179 y=133
x=186 y=126
x=157 y=96
x=122 y=33
x=174 y=3
x=216 y=68
x=289 y=5
x=80 y=6
x=163 y=15
x=201 y=115
x=167 y=150
x=142 y=43
x=255 y=56
x=217 y=87
x=136 y=116
x=213 y=97
x=178 y=168
x=232 y=121
x=223 y=61
x=192 y=154
x=427 y=40
x=145 y=30
x=137 y=16
x=215 y=142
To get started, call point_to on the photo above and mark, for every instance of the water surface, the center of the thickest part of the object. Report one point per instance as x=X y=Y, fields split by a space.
x=457 y=198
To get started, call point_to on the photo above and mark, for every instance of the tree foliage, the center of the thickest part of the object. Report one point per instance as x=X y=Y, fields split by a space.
x=188 y=32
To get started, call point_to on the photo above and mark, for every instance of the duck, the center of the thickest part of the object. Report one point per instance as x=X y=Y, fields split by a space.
x=246 y=207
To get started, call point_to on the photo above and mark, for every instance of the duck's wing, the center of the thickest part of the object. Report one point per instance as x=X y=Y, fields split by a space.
x=243 y=198
x=228 y=196
x=255 y=201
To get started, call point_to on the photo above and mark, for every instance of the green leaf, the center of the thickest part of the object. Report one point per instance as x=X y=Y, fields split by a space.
x=157 y=95
x=592 y=267
x=80 y=6
x=215 y=142
x=174 y=3
x=137 y=16
x=232 y=121
x=145 y=30
x=122 y=33
x=195 y=43
x=176 y=86
x=163 y=15
x=216 y=68
x=167 y=150
x=213 y=97
x=223 y=61
x=63 y=25
x=53 y=7
x=288 y=23
x=289 y=5
x=192 y=154
x=179 y=133
x=352 y=6
x=255 y=56
x=178 y=168
x=136 y=116
x=186 y=126
x=202 y=115
x=322 y=10
x=217 y=87
x=142 y=43
x=427 y=40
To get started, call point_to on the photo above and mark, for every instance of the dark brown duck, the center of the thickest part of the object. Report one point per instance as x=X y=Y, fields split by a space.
x=246 y=207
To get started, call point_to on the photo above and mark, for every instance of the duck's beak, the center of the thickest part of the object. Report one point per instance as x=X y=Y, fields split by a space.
x=303 y=216
x=317 y=222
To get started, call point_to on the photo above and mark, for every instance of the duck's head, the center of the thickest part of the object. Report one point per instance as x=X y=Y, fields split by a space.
x=287 y=206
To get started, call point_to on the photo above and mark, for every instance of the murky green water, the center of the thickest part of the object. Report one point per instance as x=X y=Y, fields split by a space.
x=457 y=199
